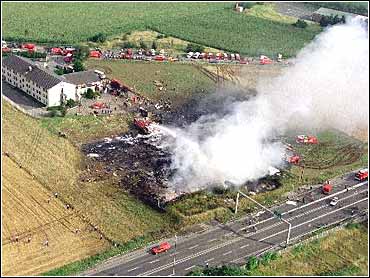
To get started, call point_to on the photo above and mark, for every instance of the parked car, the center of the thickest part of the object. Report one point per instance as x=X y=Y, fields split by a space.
x=163 y=247
x=334 y=201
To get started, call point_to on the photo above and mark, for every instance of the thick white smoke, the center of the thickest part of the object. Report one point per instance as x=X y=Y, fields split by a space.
x=328 y=84
x=326 y=87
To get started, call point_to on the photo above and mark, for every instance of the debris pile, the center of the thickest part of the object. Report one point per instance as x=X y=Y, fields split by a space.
x=144 y=168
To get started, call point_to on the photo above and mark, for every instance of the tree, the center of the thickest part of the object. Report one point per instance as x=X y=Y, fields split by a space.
x=63 y=110
x=99 y=37
x=89 y=94
x=324 y=21
x=82 y=52
x=252 y=263
x=192 y=47
x=129 y=44
x=300 y=24
x=154 y=45
x=143 y=45
x=78 y=65
x=70 y=103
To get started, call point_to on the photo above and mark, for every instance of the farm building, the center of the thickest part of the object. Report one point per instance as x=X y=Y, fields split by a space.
x=36 y=81
x=317 y=15
x=84 y=80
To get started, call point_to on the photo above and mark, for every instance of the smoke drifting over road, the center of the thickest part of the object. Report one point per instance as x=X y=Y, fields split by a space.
x=327 y=86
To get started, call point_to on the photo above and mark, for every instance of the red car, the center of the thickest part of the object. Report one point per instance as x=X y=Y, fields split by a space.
x=362 y=175
x=163 y=247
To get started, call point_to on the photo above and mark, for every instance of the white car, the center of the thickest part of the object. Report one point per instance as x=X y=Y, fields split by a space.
x=334 y=201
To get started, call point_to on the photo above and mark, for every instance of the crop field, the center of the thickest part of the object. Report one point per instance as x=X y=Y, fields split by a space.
x=340 y=253
x=61 y=22
x=259 y=31
x=26 y=213
x=59 y=166
x=180 y=80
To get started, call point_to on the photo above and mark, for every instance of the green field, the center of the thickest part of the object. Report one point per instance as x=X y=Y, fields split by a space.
x=180 y=80
x=211 y=24
x=341 y=253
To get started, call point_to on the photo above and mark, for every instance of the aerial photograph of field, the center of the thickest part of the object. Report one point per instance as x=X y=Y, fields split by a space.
x=184 y=138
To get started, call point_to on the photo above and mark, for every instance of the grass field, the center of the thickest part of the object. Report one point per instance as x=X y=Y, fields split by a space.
x=215 y=25
x=180 y=80
x=341 y=253
x=82 y=129
x=26 y=213
x=119 y=217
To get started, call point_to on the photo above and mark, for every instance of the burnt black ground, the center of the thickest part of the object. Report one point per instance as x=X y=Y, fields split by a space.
x=143 y=167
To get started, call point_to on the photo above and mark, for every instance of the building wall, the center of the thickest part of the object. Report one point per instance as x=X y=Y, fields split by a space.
x=49 y=97
x=62 y=89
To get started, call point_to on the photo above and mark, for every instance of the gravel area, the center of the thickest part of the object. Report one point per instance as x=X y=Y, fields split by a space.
x=298 y=10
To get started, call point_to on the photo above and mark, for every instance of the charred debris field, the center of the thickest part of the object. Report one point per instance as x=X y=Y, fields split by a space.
x=143 y=166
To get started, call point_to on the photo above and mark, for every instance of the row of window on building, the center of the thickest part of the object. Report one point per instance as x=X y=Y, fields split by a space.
x=30 y=87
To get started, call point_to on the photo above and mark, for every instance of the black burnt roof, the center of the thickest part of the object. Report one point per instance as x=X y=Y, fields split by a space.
x=39 y=76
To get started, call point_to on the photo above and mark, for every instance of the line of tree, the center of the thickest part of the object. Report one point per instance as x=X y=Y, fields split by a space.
x=32 y=55
x=300 y=24
x=99 y=37
x=331 y=20
x=193 y=47
x=233 y=270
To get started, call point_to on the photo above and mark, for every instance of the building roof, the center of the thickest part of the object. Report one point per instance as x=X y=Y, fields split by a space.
x=31 y=71
x=82 y=77
x=328 y=12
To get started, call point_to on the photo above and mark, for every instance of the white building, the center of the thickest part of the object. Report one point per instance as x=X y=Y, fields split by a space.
x=84 y=80
x=46 y=87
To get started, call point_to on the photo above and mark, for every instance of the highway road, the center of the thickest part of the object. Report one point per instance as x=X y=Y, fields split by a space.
x=236 y=241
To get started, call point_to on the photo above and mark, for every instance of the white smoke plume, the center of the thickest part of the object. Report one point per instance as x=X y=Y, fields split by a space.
x=327 y=86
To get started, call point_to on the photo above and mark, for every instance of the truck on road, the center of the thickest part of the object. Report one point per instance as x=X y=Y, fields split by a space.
x=327 y=188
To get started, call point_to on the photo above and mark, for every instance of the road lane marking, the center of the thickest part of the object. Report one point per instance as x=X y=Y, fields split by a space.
x=253 y=253
x=130 y=258
x=157 y=260
x=212 y=240
x=297 y=216
x=192 y=247
x=276 y=224
x=189 y=267
x=241 y=247
x=209 y=260
x=313 y=219
x=326 y=197
x=234 y=241
x=227 y=253
x=132 y=269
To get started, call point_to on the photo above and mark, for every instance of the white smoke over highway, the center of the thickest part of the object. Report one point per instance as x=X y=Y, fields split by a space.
x=327 y=86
